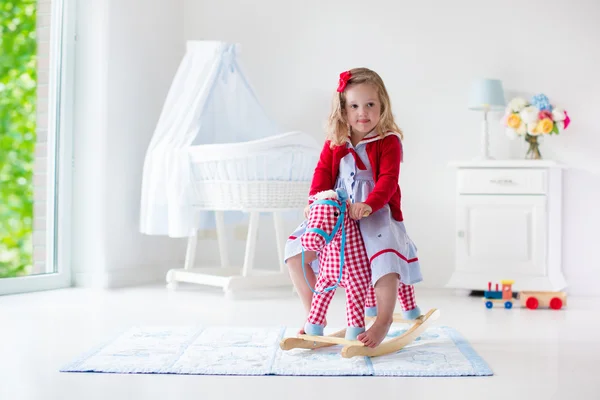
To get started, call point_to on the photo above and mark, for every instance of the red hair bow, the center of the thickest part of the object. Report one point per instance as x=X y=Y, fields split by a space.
x=344 y=78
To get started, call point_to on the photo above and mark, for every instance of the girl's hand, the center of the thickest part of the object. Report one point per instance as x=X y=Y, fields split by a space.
x=360 y=210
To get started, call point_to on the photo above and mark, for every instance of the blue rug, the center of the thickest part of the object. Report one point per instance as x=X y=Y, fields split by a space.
x=439 y=351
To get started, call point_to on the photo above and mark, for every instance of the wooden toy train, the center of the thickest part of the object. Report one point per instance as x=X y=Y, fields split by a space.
x=503 y=296
x=529 y=299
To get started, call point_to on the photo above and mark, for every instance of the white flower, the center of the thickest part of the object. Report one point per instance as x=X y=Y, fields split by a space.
x=522 y=129
x=529 y=115
x=531 y=129
x=558 y=114
x=560 y=125
x=517 y=104
x=511 y=133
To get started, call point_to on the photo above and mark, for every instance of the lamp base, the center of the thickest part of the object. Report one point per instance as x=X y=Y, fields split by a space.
x=485 y=141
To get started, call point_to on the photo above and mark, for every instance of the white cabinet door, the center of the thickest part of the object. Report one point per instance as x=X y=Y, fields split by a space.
x=501 y=233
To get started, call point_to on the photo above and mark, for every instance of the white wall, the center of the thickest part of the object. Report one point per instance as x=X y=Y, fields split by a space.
x=89 y=143
x=293 y=52
x=127 y=54
x=427 y=53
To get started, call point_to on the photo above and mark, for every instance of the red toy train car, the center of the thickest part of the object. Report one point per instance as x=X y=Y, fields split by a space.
x=533 y=300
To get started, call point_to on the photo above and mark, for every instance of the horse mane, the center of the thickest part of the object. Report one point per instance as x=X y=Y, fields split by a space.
x=326 y=194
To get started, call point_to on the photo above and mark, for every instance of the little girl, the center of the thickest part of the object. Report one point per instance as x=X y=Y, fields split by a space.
x=362 y=154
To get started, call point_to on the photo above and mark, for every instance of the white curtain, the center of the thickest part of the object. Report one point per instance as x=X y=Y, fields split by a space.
x=210 y=101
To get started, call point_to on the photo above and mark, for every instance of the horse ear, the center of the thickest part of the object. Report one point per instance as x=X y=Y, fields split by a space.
x=342 y=195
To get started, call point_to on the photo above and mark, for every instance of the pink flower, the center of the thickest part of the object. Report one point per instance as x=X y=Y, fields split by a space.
x=567 y=120
x=545 y=114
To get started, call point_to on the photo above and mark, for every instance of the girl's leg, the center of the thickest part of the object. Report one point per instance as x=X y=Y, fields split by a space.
x=297 y=275
x=386 y=290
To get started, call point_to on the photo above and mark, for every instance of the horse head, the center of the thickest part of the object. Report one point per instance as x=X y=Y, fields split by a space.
x=326 y=219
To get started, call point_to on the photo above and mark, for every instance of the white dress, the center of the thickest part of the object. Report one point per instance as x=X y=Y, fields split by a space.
x=388 y=246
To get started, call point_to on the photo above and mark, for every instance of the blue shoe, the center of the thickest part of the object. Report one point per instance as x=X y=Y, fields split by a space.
x=352 y=332
x=313 y=329
x=371 y=311
x=412 y=314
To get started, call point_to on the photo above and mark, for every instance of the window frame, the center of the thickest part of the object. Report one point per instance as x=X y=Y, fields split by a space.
x=59 y=157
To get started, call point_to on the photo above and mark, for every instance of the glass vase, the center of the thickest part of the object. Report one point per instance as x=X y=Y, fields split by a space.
x=533 y=153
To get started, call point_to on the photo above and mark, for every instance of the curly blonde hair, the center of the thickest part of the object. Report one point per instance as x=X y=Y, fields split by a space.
x=338 y=127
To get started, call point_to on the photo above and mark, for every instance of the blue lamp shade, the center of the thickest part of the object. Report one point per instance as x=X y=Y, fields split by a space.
x=487 y=94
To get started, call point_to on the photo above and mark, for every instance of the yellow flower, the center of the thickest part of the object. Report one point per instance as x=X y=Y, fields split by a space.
x=545 y=126
x=513 y=121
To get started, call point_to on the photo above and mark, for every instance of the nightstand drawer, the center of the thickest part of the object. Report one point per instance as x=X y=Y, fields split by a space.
x=502 y=181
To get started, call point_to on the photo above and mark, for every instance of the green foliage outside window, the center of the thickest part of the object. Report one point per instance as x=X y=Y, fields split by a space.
x=18 y=83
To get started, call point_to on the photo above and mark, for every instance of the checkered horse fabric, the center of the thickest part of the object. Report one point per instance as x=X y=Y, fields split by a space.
x=406 y=296
x=356 y=274
x=371 y=300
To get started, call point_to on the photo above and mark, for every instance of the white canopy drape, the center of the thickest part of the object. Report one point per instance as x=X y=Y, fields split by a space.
x=210 y=101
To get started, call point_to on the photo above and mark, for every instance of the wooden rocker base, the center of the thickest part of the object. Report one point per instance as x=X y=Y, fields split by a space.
x=353 y=348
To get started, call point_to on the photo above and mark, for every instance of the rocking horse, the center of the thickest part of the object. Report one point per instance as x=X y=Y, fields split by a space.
x=344 y=263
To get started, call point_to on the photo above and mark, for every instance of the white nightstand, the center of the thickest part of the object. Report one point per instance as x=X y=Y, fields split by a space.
x=508 y=224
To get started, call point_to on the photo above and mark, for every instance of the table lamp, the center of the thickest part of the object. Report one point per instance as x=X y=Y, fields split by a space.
x=486 y=95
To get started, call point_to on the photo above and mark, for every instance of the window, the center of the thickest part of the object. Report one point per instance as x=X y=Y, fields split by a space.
x=35 y=144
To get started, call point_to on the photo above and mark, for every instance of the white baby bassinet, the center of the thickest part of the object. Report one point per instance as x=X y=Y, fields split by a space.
x=215 y=149
x=265 y=174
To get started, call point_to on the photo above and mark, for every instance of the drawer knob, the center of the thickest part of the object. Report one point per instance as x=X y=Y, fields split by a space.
x=502 y=181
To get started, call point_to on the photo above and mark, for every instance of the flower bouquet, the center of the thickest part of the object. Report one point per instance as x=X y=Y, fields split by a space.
x=532 y=119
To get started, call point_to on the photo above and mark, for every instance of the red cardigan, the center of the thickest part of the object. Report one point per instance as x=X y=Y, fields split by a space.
x=385 y=155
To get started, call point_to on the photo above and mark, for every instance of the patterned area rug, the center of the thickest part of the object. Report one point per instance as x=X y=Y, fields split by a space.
x=439 y=351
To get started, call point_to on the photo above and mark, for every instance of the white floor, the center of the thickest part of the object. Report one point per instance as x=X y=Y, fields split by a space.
x=534 y=354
